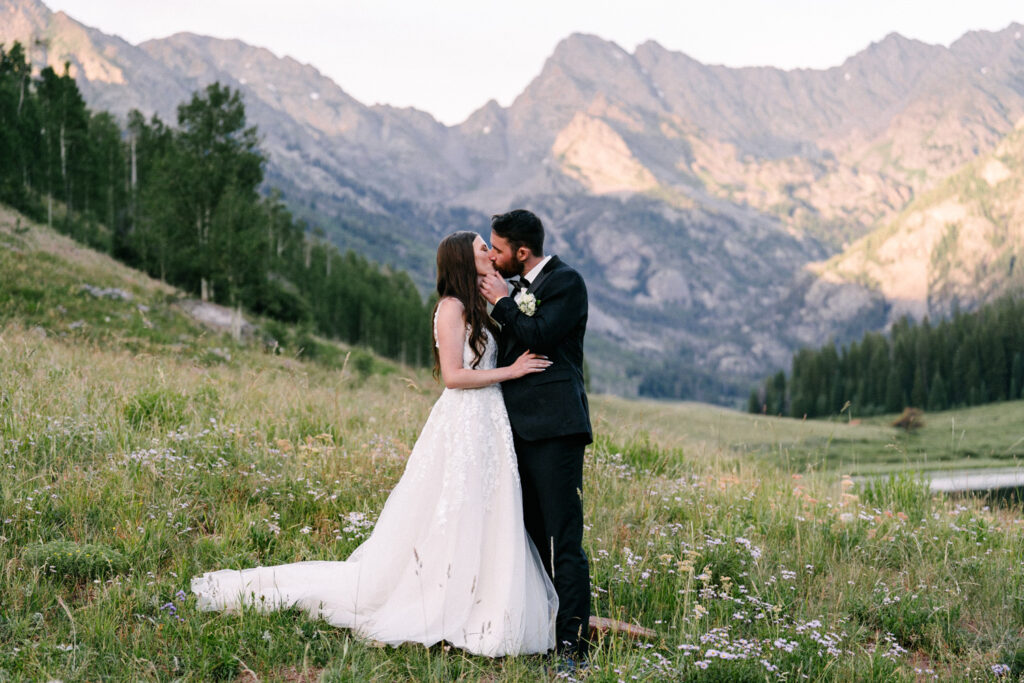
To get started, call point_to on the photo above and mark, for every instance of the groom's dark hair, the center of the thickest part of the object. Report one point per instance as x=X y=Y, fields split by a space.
x=521 y=228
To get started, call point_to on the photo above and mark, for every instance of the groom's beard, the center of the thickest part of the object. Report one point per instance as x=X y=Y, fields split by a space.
x=514 y=268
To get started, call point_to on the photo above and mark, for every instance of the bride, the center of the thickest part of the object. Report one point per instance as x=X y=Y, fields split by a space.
x=449 y=558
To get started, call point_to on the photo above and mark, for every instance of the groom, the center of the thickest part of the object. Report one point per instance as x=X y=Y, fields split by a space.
x=548 y=410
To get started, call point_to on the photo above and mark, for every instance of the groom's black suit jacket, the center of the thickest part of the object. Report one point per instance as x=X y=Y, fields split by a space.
x=551 y=403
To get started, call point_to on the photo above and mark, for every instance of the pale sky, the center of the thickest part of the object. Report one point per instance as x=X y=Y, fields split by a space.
x=448 y=57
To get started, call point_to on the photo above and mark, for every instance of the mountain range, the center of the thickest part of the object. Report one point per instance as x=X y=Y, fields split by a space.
x=722 y=217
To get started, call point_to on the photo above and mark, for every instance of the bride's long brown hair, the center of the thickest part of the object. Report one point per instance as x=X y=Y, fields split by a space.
x=457 y=277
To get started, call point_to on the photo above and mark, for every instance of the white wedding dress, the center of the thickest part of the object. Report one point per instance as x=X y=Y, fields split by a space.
x=449 y=558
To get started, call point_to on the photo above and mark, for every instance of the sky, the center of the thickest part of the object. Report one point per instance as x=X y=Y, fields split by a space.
x=449 y=57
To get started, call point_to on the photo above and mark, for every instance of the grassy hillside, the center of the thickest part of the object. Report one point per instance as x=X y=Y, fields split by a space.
x=58 y=288
x=150 y=458
x=44 y=279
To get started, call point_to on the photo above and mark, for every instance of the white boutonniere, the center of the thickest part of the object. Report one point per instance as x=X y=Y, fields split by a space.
x=527 y=303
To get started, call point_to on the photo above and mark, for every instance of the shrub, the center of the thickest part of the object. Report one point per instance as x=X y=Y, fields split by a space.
x=323 y=353
x=362 y=362
x=76 y=561
x=910 y=420
x=155 y=407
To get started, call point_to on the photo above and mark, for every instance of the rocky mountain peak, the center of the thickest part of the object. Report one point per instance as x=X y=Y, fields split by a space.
x=581 y=48
x=992 y=49
x=897 y=42
x=595 y=65
x=20 y=19
x=898 y=59
x=489 y=119
x=54 y=38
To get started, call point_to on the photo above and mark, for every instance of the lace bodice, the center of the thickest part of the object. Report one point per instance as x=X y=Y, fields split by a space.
x=461 y=414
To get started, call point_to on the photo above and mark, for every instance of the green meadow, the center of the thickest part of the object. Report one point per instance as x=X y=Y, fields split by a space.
x=138 y=449
x=982 y=436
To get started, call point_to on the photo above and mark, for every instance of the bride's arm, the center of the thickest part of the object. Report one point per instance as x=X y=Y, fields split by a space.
x=451 y=336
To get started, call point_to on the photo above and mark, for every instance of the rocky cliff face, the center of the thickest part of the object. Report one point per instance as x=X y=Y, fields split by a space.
x=721 y=216
x=957 y=246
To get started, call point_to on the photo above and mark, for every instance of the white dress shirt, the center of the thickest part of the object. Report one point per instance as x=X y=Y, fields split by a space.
x=535 y=271
x=531 y=276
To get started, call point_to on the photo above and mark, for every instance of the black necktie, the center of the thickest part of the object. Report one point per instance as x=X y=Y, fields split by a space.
x=522 y=283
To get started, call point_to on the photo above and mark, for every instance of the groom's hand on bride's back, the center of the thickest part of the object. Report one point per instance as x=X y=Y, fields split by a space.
x=493 y=287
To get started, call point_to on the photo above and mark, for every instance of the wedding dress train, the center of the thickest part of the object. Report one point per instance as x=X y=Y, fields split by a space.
x=449 y=558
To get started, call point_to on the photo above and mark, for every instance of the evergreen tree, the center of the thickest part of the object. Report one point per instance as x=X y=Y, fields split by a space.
x=919 y=392
x=19 y=130
x=893 y=392
x=65 y=129
x=1017 y=376
x=961 y=371
x=800 y=404
x=997 y=370
x=838 y=391
x=973 y=382
x=779 y=393
x=28 y=132
x=937 y=393
x=970 y=359
x=878 y=371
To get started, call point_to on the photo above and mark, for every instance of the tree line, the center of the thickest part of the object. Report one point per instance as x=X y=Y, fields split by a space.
x=184 y=204
x=966 y=360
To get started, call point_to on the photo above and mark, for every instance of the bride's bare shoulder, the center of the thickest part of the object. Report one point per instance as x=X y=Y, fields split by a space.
x=451 y=302
x=451 y=306
x=450 y=311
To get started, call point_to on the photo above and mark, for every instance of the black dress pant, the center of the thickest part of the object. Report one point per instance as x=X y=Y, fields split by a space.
x=551 y=472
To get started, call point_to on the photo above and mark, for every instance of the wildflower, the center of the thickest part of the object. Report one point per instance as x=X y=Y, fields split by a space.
x=787 y=645
x=754 y=551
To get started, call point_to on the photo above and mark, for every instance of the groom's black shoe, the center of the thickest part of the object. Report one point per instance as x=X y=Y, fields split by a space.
x=570 y=666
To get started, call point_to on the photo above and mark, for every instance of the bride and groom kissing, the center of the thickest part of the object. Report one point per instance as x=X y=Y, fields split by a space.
x=479 y=544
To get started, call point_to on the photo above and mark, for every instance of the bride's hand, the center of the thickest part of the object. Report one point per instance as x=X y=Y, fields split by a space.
x=529 y=363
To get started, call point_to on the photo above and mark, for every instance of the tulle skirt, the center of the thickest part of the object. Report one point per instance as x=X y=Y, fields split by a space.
x=448 y=560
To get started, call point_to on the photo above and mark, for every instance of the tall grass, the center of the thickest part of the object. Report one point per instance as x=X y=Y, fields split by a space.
x=747 y=570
